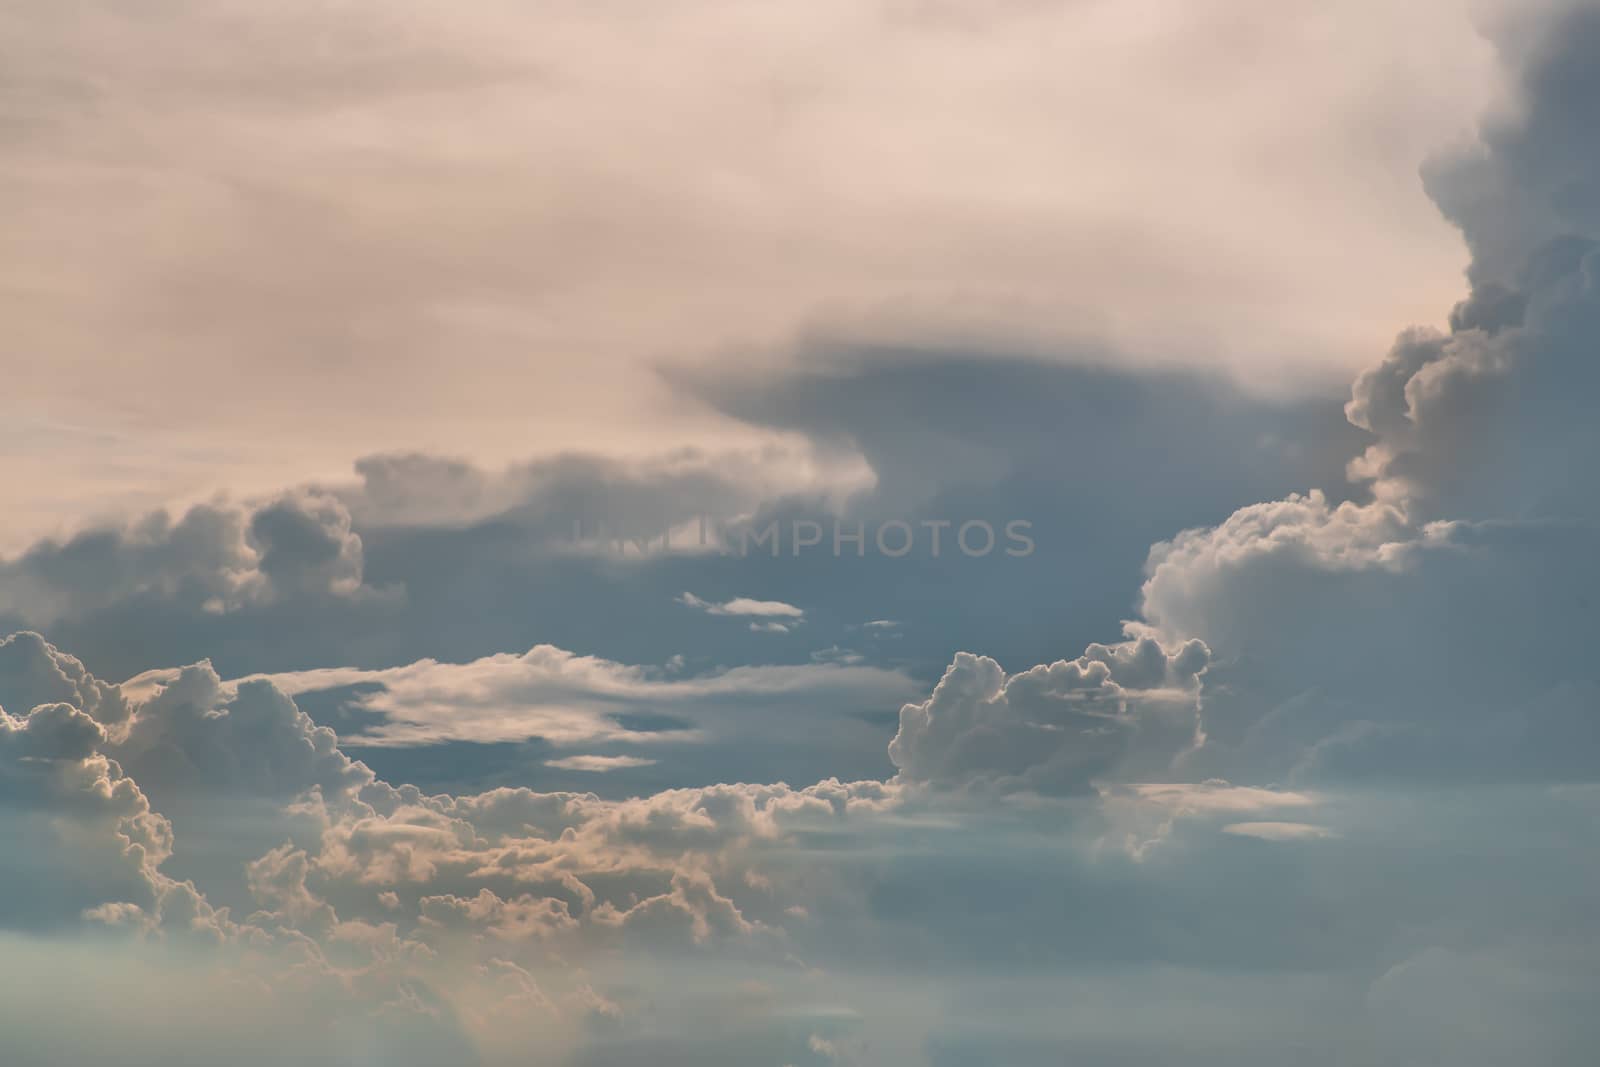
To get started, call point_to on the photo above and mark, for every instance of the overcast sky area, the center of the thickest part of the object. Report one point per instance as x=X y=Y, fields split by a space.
x=896 y=533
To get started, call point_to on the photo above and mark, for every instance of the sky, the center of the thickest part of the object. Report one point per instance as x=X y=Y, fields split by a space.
x=904 y=533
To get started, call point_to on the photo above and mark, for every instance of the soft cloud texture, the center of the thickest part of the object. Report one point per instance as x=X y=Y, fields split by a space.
x=472 y=924
x=566 y=698
x=1330 y=800
x=203 y=205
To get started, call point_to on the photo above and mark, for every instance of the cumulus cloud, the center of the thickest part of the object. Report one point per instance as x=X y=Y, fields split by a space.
x=81 y=838
x=1484 y=421
x=1346 y=637
x=214 y=559
x=1055 y=727
x=1488 y=419
x=247 y=739
x=1352 y=638
x=33 y=672
x=574 y=920
x=390 y=880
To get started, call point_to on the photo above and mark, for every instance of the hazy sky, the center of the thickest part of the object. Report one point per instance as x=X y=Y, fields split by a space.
x=919 y=533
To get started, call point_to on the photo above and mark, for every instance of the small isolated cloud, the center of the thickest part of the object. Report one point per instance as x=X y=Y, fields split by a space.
x=598 y=764
x=741 y=605
x=1278 y=831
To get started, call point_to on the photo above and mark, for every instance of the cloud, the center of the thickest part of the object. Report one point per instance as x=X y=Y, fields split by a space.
x=459 y=558
x=32 y=672
x=744 y=606
x=1215 y=796
x=1277 y=831
x=81 y=838
x=1402 y=652
x=1527 y=180
x=1053 y=728
x=216 y=558
x=822 y=1047
x=1351 y=638
x=198 y=733
x=369 y=567
x=571 y=498
x=1343 y=633
x=1345 y=637
x=1144 y=816
x=598 y=764
x=391 y=881
x=234 y=209
x=568 y=699
x=1487 y=420
x=512 y=920
x=600 y=925
x=773 y=616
